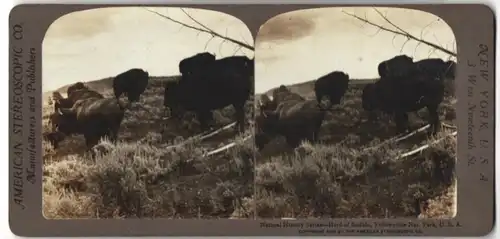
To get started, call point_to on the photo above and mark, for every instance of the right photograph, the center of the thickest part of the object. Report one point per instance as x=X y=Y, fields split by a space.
x=355 y=115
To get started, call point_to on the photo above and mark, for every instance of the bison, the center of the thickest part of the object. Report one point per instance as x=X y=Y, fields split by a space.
x=224 y=82
x=79 y=94
x=193 y=63
x=92 y=117
x=330 y=88
x=398 y=66
x=399 y=97
x=295 y=119
x=131 y=83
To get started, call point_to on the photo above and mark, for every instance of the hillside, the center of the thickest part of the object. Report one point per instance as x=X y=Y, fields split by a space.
x=306 y=88
x=106 y=83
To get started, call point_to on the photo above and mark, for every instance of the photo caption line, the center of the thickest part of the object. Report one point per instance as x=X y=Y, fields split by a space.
x=366 y=228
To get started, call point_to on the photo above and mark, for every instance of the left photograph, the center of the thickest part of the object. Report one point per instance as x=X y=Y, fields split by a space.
x=148 y=113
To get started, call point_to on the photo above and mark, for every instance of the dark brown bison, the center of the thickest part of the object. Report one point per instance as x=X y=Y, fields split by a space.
x=92 y=117
x=296 y=120
x=131 y=83
x=75 y=95
x=224 y=82
x=399 y=97
x=330 y=88
x=295 y=117
x=398 y=66
x=193 y=63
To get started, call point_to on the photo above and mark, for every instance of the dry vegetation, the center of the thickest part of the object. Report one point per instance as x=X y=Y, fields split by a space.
x=141 y=176
x=347 y=176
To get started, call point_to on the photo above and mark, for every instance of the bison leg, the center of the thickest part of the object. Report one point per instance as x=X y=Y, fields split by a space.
x=118 y=93
x=54 y=142
x=204 y=117
x=240 y=118
x=401 y=119
x=315 y=135
x=91 y=140
x=433 y=120
x=261 y=140
x=113 y=134
x=292 y=141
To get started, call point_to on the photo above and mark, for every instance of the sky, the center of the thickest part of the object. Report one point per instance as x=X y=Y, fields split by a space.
x=290 y=48
x=98 y=43
x=304 y=45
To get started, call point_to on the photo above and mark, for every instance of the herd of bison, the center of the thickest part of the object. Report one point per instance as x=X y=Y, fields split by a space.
x=208 y=84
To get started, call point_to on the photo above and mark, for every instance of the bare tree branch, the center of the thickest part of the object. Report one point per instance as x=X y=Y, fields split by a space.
x=399 y=31
x=202 y=28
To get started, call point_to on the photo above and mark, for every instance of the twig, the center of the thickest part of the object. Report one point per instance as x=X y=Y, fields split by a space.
x=203 y=29
x=417 y=150
x=397 y=139
x=225 y=147
x=400 y=32
x=449 y=126
x=200 y=136
x=217 y=131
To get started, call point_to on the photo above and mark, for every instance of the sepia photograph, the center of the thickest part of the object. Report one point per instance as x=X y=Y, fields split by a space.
x=148 y=113
x=355 y=115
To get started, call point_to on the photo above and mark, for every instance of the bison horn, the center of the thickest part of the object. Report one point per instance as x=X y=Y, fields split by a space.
x=260 y=103
x=63 y=111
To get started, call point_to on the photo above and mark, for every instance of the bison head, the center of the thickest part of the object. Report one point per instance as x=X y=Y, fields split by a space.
x=397 y=66
x=65 y=121
x=62 y=103
x=266 y=104
x=266 y=122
